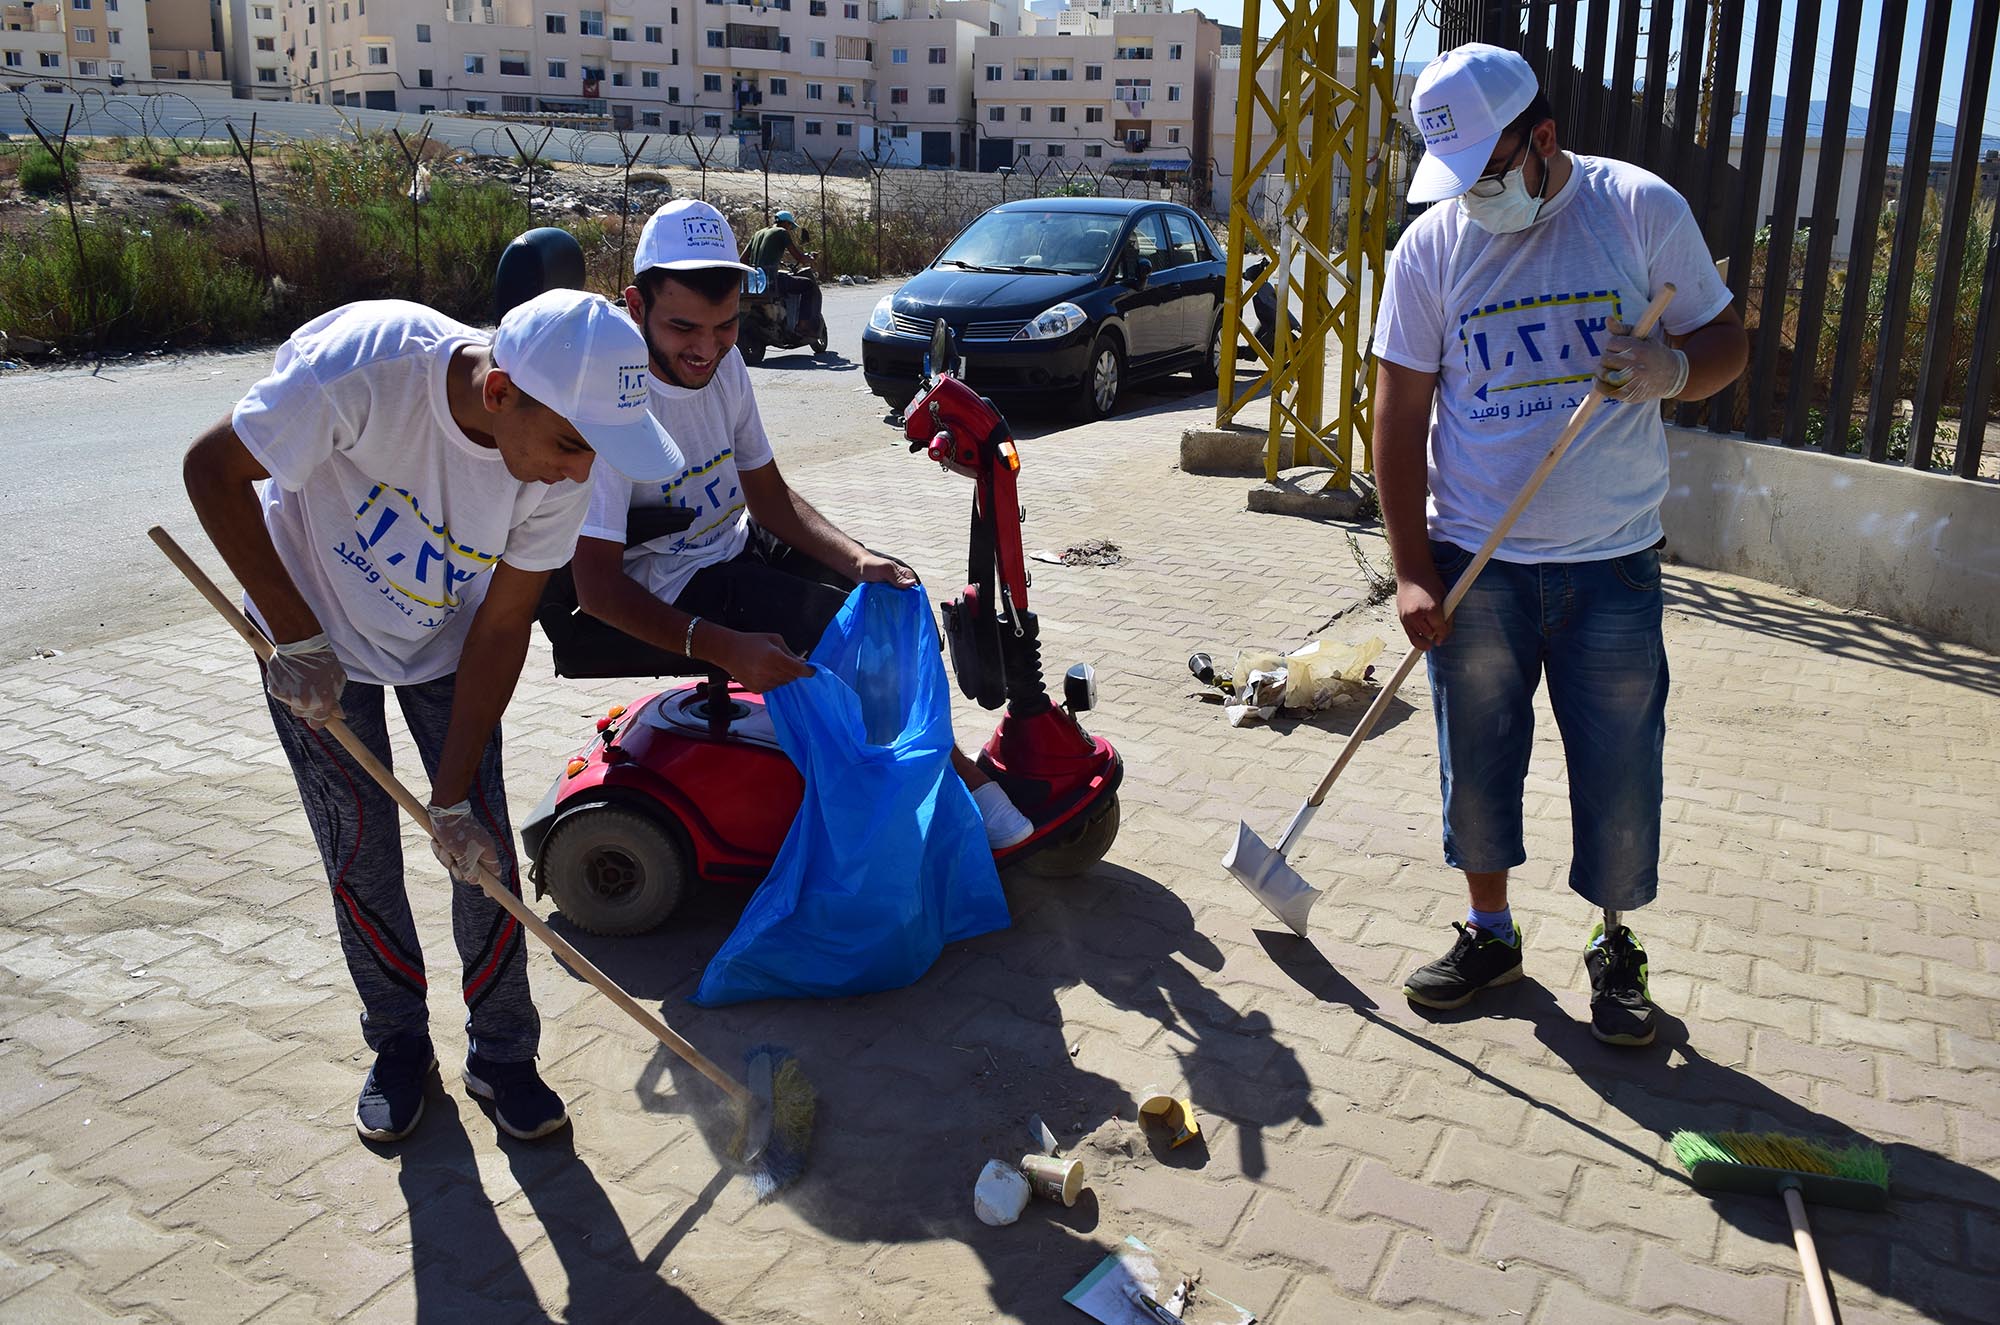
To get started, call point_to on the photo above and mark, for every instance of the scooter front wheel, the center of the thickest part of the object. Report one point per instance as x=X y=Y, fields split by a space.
x=819 y=337
x=751 y=349
x=614 y=871
x=1082 y=848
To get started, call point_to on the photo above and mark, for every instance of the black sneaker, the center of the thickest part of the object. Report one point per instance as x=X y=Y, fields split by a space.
x=525 y=1108
x=1477 y=961
x=1620 y=1012
x=392 y=1099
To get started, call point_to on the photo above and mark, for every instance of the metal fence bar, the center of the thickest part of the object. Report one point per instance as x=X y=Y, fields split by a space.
x=1652 y=114
x=1561 y=83
x=1756 y=130
x=1715 y=171
x=1590 y=87
x=1867 y=222
x=1942 y=332
x=1909 y=228
x=1686 y=175
x=1825 y=210
x=1783 y=226
x=1623 y=70
x=1979 y=380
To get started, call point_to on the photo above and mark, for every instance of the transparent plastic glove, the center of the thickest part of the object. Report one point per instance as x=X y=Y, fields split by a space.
x=1640 y=369
x=462 y=845
x=306 y=678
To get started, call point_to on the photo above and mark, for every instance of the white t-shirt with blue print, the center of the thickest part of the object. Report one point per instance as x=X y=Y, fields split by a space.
x=720 y=433
x=1514 y=326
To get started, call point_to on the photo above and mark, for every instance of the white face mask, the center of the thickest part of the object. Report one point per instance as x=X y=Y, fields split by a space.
x=1512 y=210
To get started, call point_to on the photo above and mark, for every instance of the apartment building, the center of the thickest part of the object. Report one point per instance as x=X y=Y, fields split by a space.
x=32 y=42
x=252 y=35
x=1113 y=84
x=184 y=44
x=1262 y=133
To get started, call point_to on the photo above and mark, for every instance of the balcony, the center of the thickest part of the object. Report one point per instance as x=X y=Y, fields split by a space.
x=749 y=57
x=639 y=52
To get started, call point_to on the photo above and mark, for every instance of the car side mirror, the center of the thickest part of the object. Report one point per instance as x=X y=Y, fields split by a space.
x=1139 y=273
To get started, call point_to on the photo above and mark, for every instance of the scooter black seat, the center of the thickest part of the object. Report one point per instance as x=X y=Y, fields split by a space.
x=588 y=649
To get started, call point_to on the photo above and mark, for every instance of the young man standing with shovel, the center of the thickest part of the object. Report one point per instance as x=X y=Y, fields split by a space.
x=418 y=482
x=1499 y=308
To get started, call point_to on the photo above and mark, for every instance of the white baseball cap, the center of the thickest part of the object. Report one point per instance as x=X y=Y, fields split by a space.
x=685 y=235
x=579 y=354
x=1464 y=101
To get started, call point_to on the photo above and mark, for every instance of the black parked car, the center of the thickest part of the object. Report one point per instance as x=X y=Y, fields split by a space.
x=1065 y=298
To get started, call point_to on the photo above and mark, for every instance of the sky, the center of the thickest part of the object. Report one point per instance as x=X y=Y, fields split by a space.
x=1421 y=45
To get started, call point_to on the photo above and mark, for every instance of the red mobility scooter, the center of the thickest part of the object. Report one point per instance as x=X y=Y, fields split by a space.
x=691 y=783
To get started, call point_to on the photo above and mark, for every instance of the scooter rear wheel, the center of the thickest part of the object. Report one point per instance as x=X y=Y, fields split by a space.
x=614 y=871
x=1082 y=848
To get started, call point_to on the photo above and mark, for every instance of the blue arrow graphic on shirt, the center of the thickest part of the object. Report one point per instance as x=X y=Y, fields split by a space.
x=1481 y=393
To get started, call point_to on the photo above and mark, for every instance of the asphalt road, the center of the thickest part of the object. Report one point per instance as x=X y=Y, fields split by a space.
x=92 y=460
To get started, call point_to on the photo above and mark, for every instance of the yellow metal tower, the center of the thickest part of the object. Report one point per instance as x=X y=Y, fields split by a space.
x=1328 y=134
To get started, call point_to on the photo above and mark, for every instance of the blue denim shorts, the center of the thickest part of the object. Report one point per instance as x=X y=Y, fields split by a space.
x=1594 y=628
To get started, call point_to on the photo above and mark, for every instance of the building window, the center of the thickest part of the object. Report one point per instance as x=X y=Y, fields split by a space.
x=1174 y=51
x=475 y=105
x=1093 y=114
x=555 y=24
x=845 y=95
x=1093 y=73
x=378 y=55
x=592 y=73
x=88 y=69
x=311 y=16
x=817 y=49
x=938 y=54
x=85 y=36
x=649 y=78
x=994 y=73
x=514 y=64
x=262 y=12
x=590 y=22
x=1133 y=53
x=558 y=68
x=814 y=128
x=50 y=60
x=779 y=86
x=13 y=59
x=516 y=105
x=621 y=33
x=935 y=96
x=850 y=11
x=712 y=123
x=996 y=113
x=899 y=131
x=899 y=96
x=311 y=63
x=674 y=97
x=711 y=82
x=816 y=8
x=1053 y=149
x=657 y=36
x=117 y=69
x=424 y=32
x=715 y=40
x=1173 y=135
x=650 y=118
x=423 y=77
x=1057 y=73
x=114 y=37
x=1093 y=149
x=843 y=129
x=475 y=64
x=79 y=4
x=1173 y=92
x=815 y=92
x=1058 y=114
x=349 y=53
x=621 y=79
x=1027 y=114
x=899 y=55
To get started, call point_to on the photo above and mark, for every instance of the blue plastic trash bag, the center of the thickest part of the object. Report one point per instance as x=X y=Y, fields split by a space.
x=887 y=861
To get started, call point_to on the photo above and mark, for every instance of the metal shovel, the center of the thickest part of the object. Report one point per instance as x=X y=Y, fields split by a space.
x=1266 y=873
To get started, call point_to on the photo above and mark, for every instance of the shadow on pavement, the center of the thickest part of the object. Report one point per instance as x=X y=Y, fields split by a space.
x=919 y=1087
x=1940 y=1211
x=1855 y=636
x=467 y=1268
x=833 y=361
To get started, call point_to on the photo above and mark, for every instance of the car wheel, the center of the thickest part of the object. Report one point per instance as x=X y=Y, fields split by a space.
x=1103 y=379
x=614 y=871
x=1208 y=372
x=752 y=351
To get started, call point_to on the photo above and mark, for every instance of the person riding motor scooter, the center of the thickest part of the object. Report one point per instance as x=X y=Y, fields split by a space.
x=751 y=583
x=768 y=249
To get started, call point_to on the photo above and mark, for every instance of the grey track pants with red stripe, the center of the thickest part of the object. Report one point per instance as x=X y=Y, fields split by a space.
x=359 y=831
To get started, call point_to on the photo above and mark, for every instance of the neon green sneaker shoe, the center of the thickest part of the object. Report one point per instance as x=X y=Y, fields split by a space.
x=1620 y=1011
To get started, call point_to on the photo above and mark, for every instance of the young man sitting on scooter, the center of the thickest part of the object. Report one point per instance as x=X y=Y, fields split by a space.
x=753 y=581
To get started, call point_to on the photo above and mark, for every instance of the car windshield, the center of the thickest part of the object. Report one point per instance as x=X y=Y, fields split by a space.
x=1072 y=243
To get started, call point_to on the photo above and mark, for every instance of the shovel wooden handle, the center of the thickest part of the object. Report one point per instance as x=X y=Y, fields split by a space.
x=1569 y=434
x=492 y=886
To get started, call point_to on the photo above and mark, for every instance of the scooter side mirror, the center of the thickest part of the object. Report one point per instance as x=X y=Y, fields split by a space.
x=1080 y=688
x=939 y=359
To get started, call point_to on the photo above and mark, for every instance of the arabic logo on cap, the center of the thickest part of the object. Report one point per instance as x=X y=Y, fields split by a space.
x=1436 y=125
x=632 y=386
x=701 y=231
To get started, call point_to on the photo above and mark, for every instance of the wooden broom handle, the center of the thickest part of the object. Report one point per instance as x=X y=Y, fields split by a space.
x=1809 y=1266
x=492 y=886
x=1569 y=434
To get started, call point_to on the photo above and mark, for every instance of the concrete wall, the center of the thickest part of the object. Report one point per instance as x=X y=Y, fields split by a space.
x=1921 y=549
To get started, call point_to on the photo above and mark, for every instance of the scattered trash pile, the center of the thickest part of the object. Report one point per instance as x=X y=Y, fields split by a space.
x=1095 y=552
x=1321 y=675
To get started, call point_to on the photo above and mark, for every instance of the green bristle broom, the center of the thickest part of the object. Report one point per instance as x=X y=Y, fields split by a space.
x=1800 y=1170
